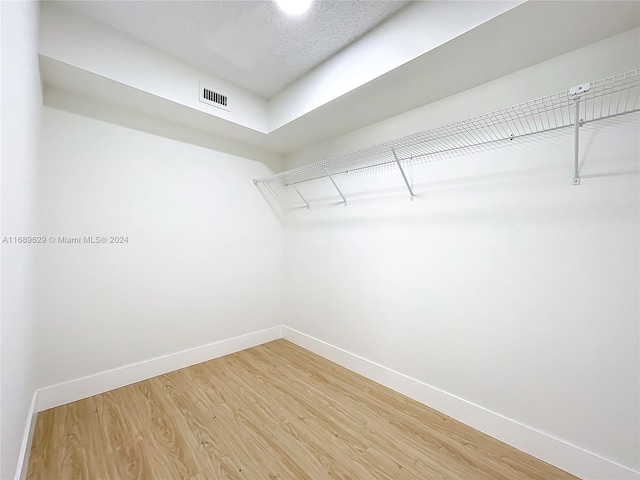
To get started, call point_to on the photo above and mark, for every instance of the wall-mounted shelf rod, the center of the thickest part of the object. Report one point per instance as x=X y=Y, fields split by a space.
x=576 y=107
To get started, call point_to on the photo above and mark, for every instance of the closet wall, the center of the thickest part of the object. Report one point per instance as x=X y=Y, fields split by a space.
x=21 y=108
x=501 y=284
x=202 y=263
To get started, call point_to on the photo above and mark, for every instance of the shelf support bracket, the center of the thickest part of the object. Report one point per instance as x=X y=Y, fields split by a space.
x=298 y=192
x=404 y=176
x=575 y=92
x=576 y=154
x=344 y=200
x=273 y=193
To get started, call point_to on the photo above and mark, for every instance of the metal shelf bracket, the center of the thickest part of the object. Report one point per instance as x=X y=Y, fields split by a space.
x=344 y=200
x=404 y=176
x=575 y=92
x=298 y=192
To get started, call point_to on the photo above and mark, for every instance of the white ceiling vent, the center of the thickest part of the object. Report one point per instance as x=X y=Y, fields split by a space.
x=211 y=97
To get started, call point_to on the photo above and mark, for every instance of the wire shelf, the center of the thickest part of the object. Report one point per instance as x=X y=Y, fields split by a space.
x=606 y=98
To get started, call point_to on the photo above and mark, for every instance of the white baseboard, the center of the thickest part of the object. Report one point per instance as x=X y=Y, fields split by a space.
x=80 y=388
x=27 y=439
x=554 y=451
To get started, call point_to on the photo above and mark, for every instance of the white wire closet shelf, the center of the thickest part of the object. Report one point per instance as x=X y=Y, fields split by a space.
x=581 y=104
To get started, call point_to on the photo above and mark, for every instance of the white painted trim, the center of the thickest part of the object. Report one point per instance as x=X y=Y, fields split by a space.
x=557 y=452
x=27 y=438
x=568 y=457
x=80 y=388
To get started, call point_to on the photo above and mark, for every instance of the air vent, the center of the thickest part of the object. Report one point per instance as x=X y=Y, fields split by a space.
x=211 y=97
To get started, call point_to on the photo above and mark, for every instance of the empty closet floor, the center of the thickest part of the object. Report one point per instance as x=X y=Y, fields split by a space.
x=275 y=411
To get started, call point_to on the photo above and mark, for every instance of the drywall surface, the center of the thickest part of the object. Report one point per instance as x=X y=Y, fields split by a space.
x=501 y=283
x=193 y=254
x=416 y=29
x=21 y=109
x=74 y=40
x=602 y=59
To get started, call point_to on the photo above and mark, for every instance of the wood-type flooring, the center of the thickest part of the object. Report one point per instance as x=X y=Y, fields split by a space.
x=275 y=411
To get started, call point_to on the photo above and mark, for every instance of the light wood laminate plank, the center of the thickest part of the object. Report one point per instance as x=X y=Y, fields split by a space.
x=275 y=411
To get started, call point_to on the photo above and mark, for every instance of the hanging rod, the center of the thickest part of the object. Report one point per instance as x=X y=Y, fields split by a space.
x=577 y=106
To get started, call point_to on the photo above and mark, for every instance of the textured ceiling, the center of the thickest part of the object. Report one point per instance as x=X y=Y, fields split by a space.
x=249 y=43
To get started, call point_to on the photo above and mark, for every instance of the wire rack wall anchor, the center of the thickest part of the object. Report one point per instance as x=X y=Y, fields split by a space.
x=575 y=107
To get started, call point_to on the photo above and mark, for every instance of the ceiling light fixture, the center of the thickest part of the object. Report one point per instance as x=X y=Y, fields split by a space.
x=294 y=7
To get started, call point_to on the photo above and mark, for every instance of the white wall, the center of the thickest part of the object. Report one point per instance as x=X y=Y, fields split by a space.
x=416 y=29
x=601 y=59
x=21 y=108
x=513 y=290
x=203 y=262
x=74 y=40
x=502 y=283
